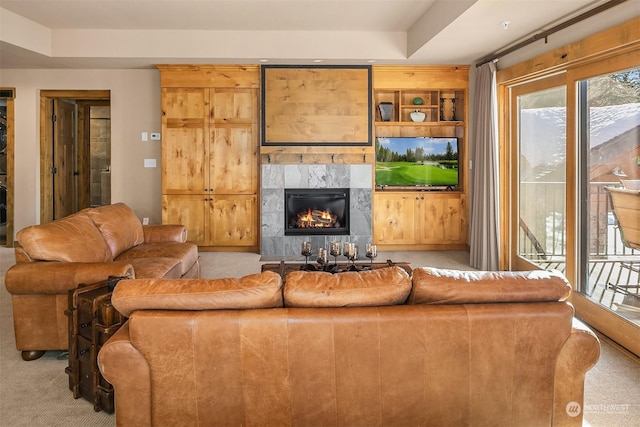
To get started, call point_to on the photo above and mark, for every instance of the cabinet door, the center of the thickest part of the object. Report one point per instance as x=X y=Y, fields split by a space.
x=234 y=141
x=233 y=165
x=190 y=211
x=185 y=141
x=442 y=219
x=234 y=106
x=234 y=220
x=394 y=218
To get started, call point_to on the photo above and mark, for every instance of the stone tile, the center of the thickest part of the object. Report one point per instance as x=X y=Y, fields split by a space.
x=273 y=200
x=361 y=176
x=272 y=224
x=296 y=176
x=338 y=176
x=272 y=176
x=317 y=176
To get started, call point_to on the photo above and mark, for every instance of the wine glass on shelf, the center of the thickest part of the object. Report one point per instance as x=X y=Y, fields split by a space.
x=371 y=252
x=306 y=251
x=334 y=250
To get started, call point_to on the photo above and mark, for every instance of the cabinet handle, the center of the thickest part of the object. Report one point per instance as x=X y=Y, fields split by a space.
x=84 y=325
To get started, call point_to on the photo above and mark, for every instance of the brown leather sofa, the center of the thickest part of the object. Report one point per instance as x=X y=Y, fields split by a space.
x=86 y=247
x=375 y=348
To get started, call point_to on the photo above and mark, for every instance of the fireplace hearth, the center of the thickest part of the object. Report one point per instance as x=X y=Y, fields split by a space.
x=316 y=211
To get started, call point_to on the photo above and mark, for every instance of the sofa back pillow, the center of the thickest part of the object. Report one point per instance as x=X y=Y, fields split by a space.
x=385 y=286
x=74 y=238
x=119 y=226
x=444 y=286
x=263 y=290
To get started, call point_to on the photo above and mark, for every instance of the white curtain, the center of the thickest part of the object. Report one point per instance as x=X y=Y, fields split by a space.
x=484 y=228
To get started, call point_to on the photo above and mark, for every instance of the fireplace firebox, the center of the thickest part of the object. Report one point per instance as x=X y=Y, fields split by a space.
x=316 y=211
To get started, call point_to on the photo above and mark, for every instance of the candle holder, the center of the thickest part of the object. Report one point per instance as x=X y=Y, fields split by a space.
x=371 y=252
x=350 y=250
x=306 y=251
x=334 y=250
x=322 y=257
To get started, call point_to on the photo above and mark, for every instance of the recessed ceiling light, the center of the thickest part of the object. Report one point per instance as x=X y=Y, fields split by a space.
x=264 y=60
x=370 y=61
x=505 y=25
x=317 y=60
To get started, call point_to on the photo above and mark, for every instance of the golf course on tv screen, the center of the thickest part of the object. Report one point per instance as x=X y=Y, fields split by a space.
x=416 y=161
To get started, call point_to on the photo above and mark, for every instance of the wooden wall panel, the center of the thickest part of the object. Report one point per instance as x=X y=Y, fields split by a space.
x=316 y=105
x=431 y=77
x=207 y=76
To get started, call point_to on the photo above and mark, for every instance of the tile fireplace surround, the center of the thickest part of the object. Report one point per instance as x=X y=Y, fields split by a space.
x=277 y=177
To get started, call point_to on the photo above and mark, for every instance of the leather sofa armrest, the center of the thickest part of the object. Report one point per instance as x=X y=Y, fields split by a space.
x=579 y=353
x=128 y=371
x=158 y=233
x=43 y=277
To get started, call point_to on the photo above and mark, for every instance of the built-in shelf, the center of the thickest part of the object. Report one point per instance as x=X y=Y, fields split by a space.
x=439 y=106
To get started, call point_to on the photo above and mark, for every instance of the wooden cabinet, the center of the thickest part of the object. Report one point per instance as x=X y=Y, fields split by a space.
x=220 y=220
x=210 y=154
x=406 y=218
x=419 y=220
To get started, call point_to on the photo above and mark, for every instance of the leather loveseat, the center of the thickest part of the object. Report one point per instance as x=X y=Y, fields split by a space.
x=86 y=247
x=374 y=348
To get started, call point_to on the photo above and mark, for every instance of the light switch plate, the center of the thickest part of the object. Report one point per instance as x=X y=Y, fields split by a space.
x=144 y=136
x=149 y=163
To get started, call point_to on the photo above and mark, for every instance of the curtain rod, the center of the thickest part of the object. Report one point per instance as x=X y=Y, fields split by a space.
x=547 y=33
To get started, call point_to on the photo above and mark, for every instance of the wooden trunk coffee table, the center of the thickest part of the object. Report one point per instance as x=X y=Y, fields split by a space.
x=92 y=321
x=284 y=268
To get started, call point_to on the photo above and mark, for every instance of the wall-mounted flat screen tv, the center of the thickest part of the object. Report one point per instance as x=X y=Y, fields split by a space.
x=417 y=161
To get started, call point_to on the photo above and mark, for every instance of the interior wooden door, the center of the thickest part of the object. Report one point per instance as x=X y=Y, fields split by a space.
x=64 y=198
x=58 y=104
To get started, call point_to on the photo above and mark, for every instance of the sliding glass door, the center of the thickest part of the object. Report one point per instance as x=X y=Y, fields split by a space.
x=574 y=139
x=539 y=178
x=608 y=134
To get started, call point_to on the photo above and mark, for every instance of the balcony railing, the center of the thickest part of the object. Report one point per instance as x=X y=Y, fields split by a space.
x=613 y=268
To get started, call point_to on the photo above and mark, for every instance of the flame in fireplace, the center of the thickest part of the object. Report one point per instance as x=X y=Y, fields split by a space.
x=316 y=218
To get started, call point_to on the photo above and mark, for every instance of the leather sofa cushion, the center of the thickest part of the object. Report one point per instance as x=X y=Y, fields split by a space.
x=155 y=267
x=74 y=238
x=444 y=286
x=119 y=226
x=385 y=286
x=185 y=252
x=263 y=290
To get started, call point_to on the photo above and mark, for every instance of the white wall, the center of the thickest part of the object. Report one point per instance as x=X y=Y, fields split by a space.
x=135 y=107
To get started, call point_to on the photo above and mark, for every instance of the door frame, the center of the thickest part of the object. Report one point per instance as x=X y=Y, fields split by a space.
x=10 y=162
x=88 y=97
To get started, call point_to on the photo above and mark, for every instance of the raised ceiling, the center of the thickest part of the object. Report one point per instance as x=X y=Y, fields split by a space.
x=140 y=33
